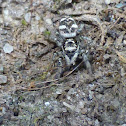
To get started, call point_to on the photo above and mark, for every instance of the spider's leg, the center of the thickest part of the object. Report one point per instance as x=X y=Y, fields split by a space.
x=59 y=40
x=87 y=63
x=80 y=28
x=54 y=37
x=60 y=68
x=54 y=57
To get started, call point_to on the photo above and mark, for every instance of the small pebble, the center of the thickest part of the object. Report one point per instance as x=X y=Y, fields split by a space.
x=4 y=4
x=1 y=68
x=59 y=91
x=49 y=21
x=81 y=104
x=1 y=20
x=3 y=110
x=69 y=106
x=37 y=17
x=107 y=1
x=97 y=123
x=123 y=125
x=69 y=1
x=8 y=48
x=1 y=120
x=28 y=17
x=42 y=29
x=47 y=103
x=124 y=42
x=120 y=5
x=50 y=117
x=3 y=79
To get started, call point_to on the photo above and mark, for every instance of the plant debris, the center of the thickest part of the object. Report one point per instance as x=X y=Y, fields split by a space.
x=29 y=92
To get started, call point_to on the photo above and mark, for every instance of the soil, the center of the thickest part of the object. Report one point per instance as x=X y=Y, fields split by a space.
x=32 y=96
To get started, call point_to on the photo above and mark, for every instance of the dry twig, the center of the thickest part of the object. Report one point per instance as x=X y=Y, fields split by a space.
x=94 y=19
x=49 y=81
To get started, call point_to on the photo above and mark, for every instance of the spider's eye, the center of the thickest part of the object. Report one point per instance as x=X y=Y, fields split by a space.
x=65 y=31
x=72 y=29
x=62 y=23
x=68 y=52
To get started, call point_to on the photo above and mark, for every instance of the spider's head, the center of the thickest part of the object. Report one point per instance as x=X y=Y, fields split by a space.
x=68 y=27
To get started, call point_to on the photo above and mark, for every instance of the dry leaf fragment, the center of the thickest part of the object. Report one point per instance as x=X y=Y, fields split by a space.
x=32 y=85
x=1 y=108
x=119 y=40
x=121 y=57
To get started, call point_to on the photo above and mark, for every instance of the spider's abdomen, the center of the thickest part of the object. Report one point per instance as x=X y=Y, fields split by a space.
x=68 y=27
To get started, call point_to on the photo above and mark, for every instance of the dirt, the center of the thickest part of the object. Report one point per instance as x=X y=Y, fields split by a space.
x=33 y=97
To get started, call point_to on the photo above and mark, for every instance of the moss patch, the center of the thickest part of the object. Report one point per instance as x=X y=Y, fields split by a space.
x=23 y=22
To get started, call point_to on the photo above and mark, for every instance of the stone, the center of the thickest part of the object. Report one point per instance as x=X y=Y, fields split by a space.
x=124 y=42
x=81 y=104
x=6 y=16
x=121 y=5
x=1 y=68
x=111 y=1
x=4 y=4
x=97 y=123
x=49 y=21
x=1 y=19
x=3 y=79
x=72 y=107
x=28 y=17
x=106 y=56
x=21 y=1
x=50 y=117
x=47 y=103
x=42 y=29
x=107 y=1
x=8 y=48
x=68 y=1
x=37 y=17
x=123 y=125
x=59 y=91
x=16 y=11
x=71 y=91
x=3 y=110
x=1 y=120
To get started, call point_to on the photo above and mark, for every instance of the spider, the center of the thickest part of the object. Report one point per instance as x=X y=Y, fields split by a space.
x=71 y=45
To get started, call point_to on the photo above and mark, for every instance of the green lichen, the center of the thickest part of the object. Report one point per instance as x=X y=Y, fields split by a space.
x=53 y=88
x=57 y=0
x=41 y=77
x=44 y=75
x=24 y=22
x=47 y=33
x=21 y=98
x=40 y=118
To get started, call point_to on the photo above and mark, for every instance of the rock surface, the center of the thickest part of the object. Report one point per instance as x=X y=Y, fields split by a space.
x=3 y=79
x=1 y=68
x=29 y=93
x=8 y=48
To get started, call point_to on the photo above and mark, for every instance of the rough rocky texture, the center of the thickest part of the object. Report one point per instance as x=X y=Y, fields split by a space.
x=30 y=95
x=8 y=48
x=3 y=79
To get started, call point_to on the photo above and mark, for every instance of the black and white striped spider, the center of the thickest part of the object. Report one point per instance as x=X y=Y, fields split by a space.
x=71 y=48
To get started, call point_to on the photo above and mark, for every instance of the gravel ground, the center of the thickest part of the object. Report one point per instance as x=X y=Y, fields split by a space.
x=29 y=93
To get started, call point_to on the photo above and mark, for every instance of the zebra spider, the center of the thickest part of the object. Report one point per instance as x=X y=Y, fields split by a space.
x=71 y=47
